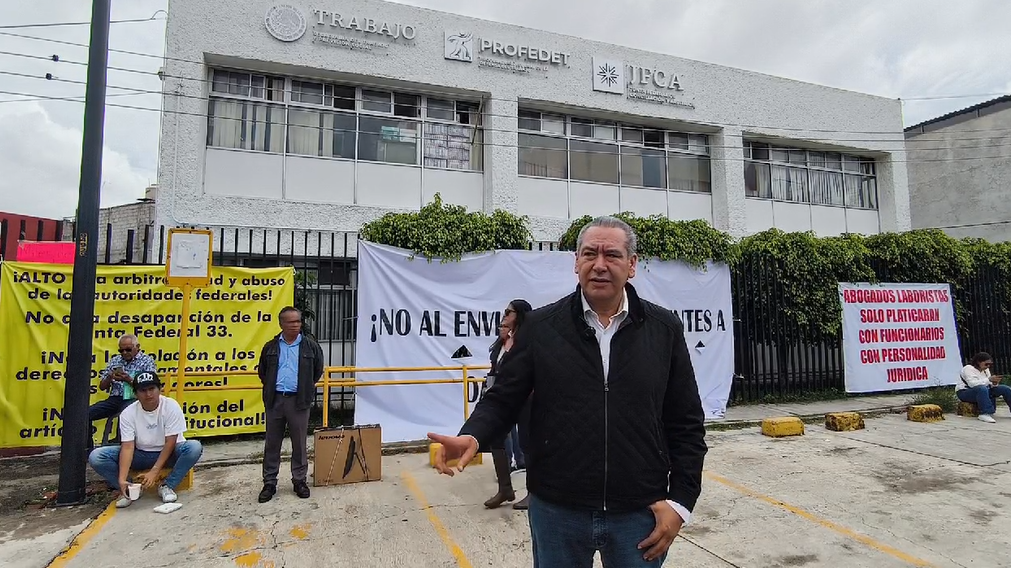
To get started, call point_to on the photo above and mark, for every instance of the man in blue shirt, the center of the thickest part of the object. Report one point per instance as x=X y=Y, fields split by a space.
x=289 y=366
x=117 y=378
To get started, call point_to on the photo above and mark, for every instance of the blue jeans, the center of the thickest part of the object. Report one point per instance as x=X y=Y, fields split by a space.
x=513 y=449
x=986 y=397
x=568 y=538
x=105 y=462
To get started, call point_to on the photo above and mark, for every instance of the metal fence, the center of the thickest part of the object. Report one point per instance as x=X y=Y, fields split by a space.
x=772 y=357
x=24 y=231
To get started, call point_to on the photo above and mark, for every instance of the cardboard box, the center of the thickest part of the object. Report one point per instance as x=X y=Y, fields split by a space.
x=347 y=454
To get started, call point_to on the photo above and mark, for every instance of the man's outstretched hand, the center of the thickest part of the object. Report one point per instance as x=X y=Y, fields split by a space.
x=461 y=448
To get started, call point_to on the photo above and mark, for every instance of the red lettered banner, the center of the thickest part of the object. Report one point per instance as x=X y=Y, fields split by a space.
x=898 y=336
x=46 y=252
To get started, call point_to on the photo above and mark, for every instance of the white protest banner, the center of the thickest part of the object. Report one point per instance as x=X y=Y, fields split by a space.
x=898 y=336
x=416 y=313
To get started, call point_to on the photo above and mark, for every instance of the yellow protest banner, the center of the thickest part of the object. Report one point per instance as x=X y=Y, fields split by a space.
x=230 y=321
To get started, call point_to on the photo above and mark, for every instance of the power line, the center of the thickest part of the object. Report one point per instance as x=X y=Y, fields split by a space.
x=903 y=141
x=944 y=97
x=75 y=44
x=443 y=94
x=139 y=91
x=968 y=225
x=65 y=24
x=615 y=153
x=37 y=98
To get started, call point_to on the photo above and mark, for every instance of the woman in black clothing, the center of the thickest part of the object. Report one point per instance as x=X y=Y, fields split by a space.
x=512 y=320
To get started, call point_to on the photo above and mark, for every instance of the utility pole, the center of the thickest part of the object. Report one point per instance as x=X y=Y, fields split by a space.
x=76 y=427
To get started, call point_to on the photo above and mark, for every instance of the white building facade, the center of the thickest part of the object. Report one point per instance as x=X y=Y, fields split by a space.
x=326 y=115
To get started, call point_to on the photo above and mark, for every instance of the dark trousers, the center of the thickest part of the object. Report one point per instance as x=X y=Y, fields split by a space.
x=568 y=538
x=105 y=409
x=281 y=414
x=499 y=455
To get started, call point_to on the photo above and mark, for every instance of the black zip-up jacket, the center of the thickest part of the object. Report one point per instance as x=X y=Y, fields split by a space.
x=310 y=370
x=617 y=445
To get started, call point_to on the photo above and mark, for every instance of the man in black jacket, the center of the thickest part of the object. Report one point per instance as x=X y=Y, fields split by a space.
x=290 y=364
x=617 y=432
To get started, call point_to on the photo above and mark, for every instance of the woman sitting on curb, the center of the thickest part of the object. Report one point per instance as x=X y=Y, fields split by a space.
x=979 y=387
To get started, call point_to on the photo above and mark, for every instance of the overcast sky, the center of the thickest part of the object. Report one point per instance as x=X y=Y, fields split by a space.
x=897 y=48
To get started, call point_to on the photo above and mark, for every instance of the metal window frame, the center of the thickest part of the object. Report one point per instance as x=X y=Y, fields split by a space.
x=287 y=102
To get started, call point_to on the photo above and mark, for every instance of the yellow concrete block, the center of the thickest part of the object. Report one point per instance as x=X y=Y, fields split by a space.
x=185 y=484
x=434 y=446
x=844 y=421
x=968 y=409
x=782 y=427
x=924 y=413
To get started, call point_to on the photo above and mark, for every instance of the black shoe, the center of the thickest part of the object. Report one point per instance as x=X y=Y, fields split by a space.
x=523 y=504
x=267 y=493
x=301 y=489
x=503 y=496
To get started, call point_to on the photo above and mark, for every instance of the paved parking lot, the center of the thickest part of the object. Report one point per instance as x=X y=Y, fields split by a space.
x=896 y=494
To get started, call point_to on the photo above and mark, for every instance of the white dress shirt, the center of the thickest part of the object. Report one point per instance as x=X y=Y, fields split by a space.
x=604 y=336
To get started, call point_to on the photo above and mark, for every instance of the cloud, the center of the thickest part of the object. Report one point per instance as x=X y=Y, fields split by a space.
x=41 y=161
x=47 y=134
x=895 y=49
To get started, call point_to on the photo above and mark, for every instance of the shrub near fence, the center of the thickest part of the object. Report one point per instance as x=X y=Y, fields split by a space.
x=785 y=285
x=787 y=315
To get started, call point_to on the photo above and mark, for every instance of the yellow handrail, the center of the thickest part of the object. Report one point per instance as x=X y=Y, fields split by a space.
x=326 y=382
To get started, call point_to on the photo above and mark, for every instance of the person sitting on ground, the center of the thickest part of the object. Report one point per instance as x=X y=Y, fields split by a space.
x=151 y=430
x=117 y=378
x=978 y=386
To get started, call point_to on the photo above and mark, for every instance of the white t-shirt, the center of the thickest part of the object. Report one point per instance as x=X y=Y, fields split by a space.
x=973 y=377
x=147 y=430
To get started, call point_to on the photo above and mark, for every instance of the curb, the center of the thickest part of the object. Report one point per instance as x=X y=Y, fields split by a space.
x=421 y=446
x=806 y=418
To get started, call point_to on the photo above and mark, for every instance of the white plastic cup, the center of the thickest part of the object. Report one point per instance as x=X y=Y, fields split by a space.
x=133 y=491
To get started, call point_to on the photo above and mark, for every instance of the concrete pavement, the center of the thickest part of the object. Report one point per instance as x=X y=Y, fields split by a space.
x=896 y=494
x=251 y=450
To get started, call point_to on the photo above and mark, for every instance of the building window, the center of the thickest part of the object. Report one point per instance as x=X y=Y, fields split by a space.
x=387 y=140
x=807 y=176
x=247 y=112
x=543 y=156
x=245 y=125
x=688 y=173
x=645 y=167
x=589 y=150
x=314 y=133
x=312 y=118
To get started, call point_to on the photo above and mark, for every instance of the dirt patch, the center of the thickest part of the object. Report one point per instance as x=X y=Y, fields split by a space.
x=983 y=517
x=797 y=560
x=697 y=530
x=28 y=494
x=845 y=451
x=901 y=478
x=214 y=481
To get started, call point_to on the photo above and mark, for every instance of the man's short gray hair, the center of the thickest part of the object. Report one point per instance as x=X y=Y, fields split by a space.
x=609 y=222
x=131 y=338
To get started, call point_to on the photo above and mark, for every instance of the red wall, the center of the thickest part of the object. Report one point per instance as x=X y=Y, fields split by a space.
x=51 y=231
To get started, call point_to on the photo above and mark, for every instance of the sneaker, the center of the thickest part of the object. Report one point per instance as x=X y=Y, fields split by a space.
x=987 y=418
x=166 y=494
x=123 y=503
